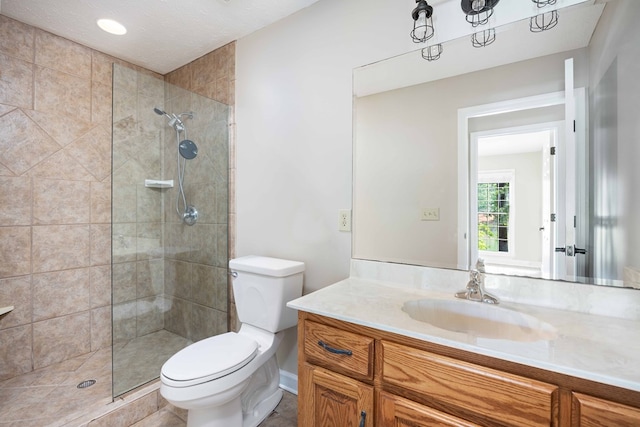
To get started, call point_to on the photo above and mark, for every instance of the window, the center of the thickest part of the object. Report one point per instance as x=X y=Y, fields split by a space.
x=494 y=212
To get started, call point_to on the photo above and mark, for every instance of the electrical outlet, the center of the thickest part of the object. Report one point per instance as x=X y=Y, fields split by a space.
x=344 y=220
x=430 y=214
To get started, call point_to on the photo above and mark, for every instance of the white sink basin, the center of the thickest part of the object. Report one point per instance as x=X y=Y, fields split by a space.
x=479 y=319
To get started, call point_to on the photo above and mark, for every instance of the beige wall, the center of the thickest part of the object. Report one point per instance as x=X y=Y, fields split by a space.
x=55 y=198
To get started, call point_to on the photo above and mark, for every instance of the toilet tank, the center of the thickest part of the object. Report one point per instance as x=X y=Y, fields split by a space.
x=262 y=286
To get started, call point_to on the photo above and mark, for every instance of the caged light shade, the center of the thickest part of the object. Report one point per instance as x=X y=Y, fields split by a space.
x=478 y=12
x=483 y=38
x=543 y=22
x=432 y=53
x=422 y=22
x=543 y=3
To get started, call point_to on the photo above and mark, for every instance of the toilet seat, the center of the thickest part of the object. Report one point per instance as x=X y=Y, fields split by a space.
x=209 y=359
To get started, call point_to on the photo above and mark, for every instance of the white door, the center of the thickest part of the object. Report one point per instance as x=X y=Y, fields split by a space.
x=572 y=214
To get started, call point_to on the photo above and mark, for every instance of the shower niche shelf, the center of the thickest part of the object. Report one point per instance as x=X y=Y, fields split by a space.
x=5 y=309
x=156 y=183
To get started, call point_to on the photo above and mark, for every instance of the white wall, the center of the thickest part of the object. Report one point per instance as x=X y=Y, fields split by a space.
x=616 y=131
x=293 y=115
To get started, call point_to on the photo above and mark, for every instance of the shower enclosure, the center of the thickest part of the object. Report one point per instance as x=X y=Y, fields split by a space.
x=169 y=223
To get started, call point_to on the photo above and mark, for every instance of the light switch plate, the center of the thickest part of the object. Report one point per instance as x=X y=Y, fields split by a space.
x=430 y=214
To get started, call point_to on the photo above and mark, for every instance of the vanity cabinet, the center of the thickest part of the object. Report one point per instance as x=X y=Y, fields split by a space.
x=351 y=375
x=336 y=377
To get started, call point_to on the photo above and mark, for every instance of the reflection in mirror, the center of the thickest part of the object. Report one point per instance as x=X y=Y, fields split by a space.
x=477 y=154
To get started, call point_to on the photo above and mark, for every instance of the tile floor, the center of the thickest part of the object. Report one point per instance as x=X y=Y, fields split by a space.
x=285 y=415
x=50 y=397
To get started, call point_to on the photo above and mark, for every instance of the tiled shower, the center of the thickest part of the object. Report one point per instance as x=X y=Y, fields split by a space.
x=169 y=278
x=56 y=226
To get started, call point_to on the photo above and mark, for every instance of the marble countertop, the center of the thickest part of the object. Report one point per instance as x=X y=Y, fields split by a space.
x=593 y=347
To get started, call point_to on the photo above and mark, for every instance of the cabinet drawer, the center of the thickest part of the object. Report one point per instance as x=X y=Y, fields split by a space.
x=397 y=411
x=589 y=411
x=338 y=350
x=467 y=388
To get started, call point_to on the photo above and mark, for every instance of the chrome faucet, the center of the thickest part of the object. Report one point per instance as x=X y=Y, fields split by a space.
x=475 y=287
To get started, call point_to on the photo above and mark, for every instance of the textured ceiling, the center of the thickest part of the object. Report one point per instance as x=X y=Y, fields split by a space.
x=162 y=34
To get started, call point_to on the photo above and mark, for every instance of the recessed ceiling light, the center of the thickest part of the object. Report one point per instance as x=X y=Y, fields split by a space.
x=111 y=26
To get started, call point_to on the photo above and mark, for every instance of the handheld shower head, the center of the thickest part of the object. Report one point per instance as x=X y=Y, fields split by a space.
x=174 y=120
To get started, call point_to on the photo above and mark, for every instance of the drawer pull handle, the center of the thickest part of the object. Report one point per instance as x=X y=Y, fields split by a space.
x=334 y=350
x=363 y=417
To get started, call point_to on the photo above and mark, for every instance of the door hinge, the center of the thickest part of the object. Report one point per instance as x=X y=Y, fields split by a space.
x=574 y=221
x=574 y=126
x=553 y=217
x=553 y=151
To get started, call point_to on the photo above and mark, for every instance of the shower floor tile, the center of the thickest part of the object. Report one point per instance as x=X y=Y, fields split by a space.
x=49 y=397
x=138 y=361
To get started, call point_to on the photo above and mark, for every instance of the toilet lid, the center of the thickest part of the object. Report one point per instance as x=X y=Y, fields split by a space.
x=211 y=358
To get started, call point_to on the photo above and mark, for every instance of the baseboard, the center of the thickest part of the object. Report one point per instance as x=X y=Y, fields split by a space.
x=289 y=382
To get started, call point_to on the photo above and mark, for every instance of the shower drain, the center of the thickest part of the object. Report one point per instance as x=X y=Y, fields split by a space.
x=86 y=383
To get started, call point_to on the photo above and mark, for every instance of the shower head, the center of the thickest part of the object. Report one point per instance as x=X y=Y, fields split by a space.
x=174 y=121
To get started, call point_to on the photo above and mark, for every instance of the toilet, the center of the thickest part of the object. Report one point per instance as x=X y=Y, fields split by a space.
x=232 y=379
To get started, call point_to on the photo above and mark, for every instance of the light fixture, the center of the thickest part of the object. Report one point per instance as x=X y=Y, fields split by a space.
x=478 y=12
x=543 y=22
x=422 y=22
x=433 y=52
x=111 y=26
x=543 y=3
x=483 y=38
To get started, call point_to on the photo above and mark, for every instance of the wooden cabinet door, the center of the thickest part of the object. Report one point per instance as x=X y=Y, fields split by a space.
x=498 y=397
x=399 y=412
x=327 y=399
x=589 y=411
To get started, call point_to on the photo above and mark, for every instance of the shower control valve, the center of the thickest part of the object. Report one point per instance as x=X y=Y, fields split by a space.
x=190 y=216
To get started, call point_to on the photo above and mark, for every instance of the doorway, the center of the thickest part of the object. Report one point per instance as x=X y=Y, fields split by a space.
x=513 y=192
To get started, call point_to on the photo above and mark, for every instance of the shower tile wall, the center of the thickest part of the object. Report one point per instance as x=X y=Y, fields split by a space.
x=212 y=76
x=167 y=275
x=55 y=198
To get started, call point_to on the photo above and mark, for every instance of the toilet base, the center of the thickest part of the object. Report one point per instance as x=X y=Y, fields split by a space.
x=227 y=415
x=262 y=394
x=262 y=410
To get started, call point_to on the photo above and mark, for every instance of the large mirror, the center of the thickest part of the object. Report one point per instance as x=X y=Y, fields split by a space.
x=522 y=152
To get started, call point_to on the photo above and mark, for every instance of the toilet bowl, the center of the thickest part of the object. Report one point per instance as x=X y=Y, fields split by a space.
x=232 y=379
